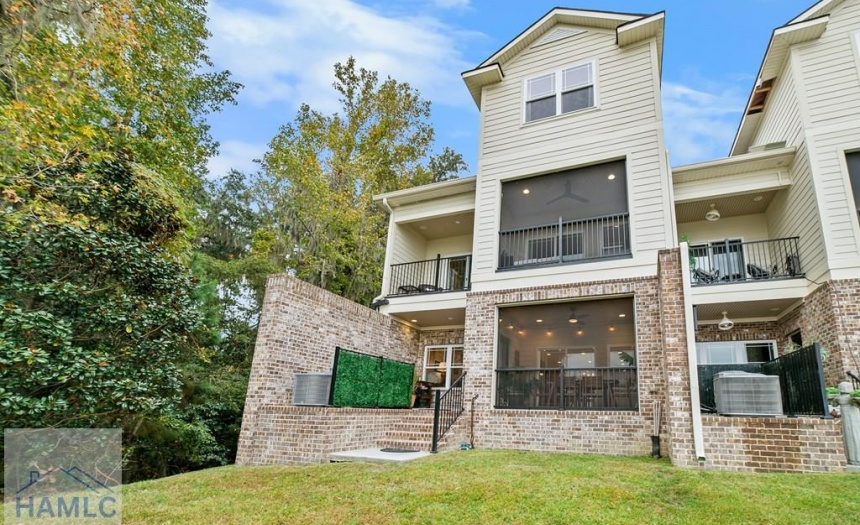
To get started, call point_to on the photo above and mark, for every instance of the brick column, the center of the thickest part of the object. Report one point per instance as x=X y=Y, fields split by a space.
x=676 y=367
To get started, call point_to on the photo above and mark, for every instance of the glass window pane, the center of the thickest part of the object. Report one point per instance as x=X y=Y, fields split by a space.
x=576 y=77
x=758 y=352
x=579 y=358
x=540 y=86
x=853 y=160
x=720 y=353
x=578 y=99
x=457 y=358
x=541 y=108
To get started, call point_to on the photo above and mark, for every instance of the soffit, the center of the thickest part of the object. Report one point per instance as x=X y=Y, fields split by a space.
x=739 y=164
x=442 y=227
x=733 y=206
x=768 y=309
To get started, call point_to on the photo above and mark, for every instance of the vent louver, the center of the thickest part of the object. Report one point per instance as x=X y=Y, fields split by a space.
x=311 y=389
x=557 y=34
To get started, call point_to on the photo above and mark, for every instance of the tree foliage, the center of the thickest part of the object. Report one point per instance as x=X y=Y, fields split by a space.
x=96 y=75
x=95 y=311
x=321 y=171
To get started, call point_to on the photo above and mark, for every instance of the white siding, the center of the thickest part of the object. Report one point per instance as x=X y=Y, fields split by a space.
x=626 y=124
x=449 y=246
x=409 y=246
x=781 y=119
x=829 y=92
x=745 y=227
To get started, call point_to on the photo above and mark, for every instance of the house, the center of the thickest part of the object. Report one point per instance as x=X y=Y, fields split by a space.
x=581 y=284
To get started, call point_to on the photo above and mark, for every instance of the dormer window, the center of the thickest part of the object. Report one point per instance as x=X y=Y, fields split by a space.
x=561 y=91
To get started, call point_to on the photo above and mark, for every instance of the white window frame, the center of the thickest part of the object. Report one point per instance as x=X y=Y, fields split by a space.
x=449 y=355
x=558 y=90
x=739 y=350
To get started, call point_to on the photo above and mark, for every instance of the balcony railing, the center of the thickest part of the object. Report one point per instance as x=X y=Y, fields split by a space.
x=733 y=261
x=442 y=274
x=568 y=388
x=565 y=242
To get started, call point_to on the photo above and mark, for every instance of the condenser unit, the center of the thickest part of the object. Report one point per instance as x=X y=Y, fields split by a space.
x=747 y=394
x=311 y=389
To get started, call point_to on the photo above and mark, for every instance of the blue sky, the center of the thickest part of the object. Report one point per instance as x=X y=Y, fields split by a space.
x=283 y=52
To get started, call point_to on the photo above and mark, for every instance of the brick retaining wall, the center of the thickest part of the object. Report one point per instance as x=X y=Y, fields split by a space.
x=773 y=444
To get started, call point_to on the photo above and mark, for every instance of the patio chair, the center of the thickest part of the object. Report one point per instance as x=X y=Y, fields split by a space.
x=407 y=289
x=425 y=288
x=703 y=277
x=757 y=272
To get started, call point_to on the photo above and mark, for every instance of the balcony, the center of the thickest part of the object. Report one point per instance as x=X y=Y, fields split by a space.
x=733 y=261
x=576 y=241
x=442 y=274
x=567 y=388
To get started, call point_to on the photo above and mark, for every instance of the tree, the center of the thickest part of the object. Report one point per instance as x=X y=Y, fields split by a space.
x=96 y=313
x=446 y=165
x=97 y=75
x=320 y=174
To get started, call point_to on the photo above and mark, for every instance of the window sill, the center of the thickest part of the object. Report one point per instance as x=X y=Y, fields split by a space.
x=557 y=117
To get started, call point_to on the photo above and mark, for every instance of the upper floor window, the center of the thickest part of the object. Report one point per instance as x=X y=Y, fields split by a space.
x=560 y=92
x=853 y=161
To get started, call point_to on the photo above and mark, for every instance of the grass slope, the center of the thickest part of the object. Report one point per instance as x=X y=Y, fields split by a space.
x=492 y=487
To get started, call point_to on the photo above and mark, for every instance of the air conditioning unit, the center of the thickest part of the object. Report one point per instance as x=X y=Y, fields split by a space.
x=311 y=389
x=747 y=394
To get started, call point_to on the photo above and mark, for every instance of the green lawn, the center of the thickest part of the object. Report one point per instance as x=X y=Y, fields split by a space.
x=477 y=487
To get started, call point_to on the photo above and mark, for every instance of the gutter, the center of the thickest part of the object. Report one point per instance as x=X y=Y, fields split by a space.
x=380 y=300
x=692 y=359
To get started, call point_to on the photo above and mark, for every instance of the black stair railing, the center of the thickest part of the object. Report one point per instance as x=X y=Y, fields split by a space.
x=855 y=379
x=448 y=407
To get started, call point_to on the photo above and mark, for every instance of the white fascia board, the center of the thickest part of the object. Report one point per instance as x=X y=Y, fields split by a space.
x=750 y=291
x=731 y=185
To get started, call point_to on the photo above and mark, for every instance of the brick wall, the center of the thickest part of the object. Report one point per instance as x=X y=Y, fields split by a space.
x=773 y=444
x=287 y=434
x=741 y=332
x=676 y=364
x=580 y=431
x=300 y=326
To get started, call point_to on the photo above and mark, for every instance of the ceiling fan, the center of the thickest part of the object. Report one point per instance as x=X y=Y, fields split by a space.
x=568 y=194
x=576 y=319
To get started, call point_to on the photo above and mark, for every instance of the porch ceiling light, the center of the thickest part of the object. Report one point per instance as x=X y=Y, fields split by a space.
x=572 y=319
x=726 y=323
x=713 y=214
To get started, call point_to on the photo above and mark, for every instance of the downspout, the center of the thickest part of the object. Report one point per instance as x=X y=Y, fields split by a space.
x=386 y=268
x=692 y=359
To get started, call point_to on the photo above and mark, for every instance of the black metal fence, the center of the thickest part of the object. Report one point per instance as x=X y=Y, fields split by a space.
x=565 y=241
x=801 y=381
x=735 y=261
x=442 y=274
x=446 y=410
x=854 y=378
x=567 y=388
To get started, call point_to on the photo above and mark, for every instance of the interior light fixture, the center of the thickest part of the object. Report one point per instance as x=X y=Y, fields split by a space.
x=510 y=327
x=726 y=323
x=521 y=332
x=611 y=176
x=572 y=319
x=526 y=191
x=611 y=328
x=579 y=332
x=538 y=320
x=548 y=332
x=622 y=315
x=758 y=198
x=414 y=320
x=713 y=214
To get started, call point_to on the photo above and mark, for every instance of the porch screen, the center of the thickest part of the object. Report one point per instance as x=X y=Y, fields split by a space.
x=365 y=381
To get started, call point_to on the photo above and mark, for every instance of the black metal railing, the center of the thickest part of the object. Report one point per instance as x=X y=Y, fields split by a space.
x=854 y=378
x=565 y=241
x=446 y=410
x=733 y=261
x=442 y=274
x=801 y=381
x=567 y=388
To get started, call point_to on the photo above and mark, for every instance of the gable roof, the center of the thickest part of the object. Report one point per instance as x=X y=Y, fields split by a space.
x=805 y=27
x=629 y=28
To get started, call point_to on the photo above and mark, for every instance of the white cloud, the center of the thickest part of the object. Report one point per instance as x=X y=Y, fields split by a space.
x=283 y=51
x=235 y=154
x=700 y=124
x=451 y=4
